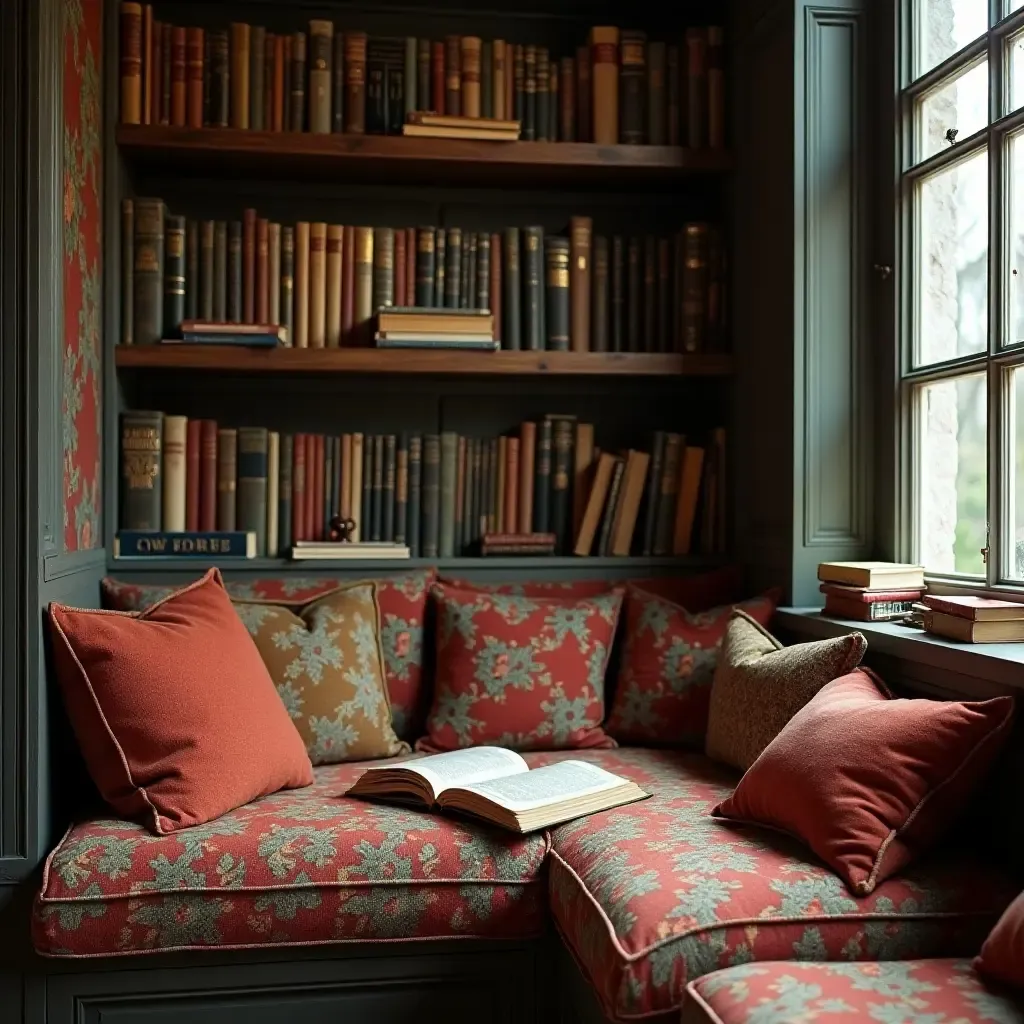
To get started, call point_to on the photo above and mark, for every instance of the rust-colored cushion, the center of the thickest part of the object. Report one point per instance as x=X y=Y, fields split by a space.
x=760 y=684
x=869 y=781
x=326 y=661
x=1002 y=956
x=173 y=708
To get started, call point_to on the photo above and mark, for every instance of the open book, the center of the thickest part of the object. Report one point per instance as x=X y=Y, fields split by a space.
x=498 y=786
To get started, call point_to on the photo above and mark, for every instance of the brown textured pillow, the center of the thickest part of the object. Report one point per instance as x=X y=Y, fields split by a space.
x=326 y=661
x=760 y=685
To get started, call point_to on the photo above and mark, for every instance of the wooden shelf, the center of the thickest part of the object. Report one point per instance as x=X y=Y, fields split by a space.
x=237 y=359
x=396 y=159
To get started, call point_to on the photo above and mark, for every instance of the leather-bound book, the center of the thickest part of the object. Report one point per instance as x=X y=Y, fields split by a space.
x=440 y=258
x=257 y=61
x=529 y=124
x=673 y=95
x=147 y=56
x=425 y=267
x=191 y=270
x=716 y=87
x=355 y=82
x=483 y=271
x=127 y=272
x=274 y=273
x=460 y=496
x=220 y=271
x=194 y=46
x=205 y=300
x=355 y=501
x=300 y=308
x=166 y=57
x=656 y=124
x=387 y=492
x=288 y=281
x=634 y=295
x=383 y=267
x=374 y=474
x=299 y=488
x=495 y=288
x=532 y=272
x=678 y=262
x=453 y=268
x=413 y=520
x=424 y=79
x=542 y=478
x=220 y=81
x=499 y=59
x=297 y=113
x=317 y=284
x=716 y=289
x=650 y=295
x=553 y=104
x=584 y=95
x=273 y=520
x=174 y=276
x=284 y=493
x=321 y=47
x=599 y=296
x=338 y=83
x=501 y=473
x=253 y=444
x=399 y=271
x=567 y=100
x=345 y=482
x=447 y=480
x=335 y=233
x=179 y=86
x=487 y=78
x=652 y=490
x=286 y=86
x=239 y=75
x=141 y=470
x=315 y=523
x=402 y=490
x=510 y=517
x=437 y=77
x=696 y=88
x=527 y=473
x=511 y=337
x=208 y=475
x=410 y=82
x=556 y=281
x=364 y=243
x=465 y=513
x=453 y=75
x=604 y=55
x=560 y=521
x=262 y=315
x=695 y=286
x=131 y=63
x=467 y=289
x=519 y=85
x=664 y=331
x=249 y=265
x=617 y=306
x=431 y=495
x=410 y=267
x=581 y=230
x=269 y=44
x=632 y=87
x=348 y=282
x=469 y=66
x=664 y=516
x=543 y=77
x=227 y=478
x=582 y=473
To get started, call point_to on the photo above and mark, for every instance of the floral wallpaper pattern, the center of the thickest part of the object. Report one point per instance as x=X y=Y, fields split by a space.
x=81 y=399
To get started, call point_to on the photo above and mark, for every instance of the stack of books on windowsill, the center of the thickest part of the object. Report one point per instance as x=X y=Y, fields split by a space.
x=974 y=620
x=870 y=591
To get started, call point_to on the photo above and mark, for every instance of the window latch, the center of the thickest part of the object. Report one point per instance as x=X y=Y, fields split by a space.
x=950 y=136
x=883 y=270
x=985 y=550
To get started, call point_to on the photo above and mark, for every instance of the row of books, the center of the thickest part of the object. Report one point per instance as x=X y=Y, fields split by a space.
x=619 y=87
x=324 y=282
x=438 y=494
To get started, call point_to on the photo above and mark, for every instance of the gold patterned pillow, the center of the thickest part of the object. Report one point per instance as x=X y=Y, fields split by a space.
x=326 y=661
x=760 y=685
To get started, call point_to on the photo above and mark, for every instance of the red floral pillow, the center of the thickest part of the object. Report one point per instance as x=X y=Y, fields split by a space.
x=562 y=589
x=403 y=607
x=525 y=673
x=663 y=690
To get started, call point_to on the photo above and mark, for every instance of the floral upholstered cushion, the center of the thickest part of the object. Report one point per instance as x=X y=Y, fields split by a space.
x=403 y=609
x=654 y=894
x=900 y=992
x=519 y=672
x=1002 y=957
x=668 y=663
x=305 y=867
x=325 y=660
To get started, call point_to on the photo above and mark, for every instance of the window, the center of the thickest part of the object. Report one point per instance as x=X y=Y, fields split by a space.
x=961 y=288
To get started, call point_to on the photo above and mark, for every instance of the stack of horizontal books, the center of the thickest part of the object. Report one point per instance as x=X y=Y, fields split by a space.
x=870 y=591
x=427 y=327
x=974 y=620
x=426 y=125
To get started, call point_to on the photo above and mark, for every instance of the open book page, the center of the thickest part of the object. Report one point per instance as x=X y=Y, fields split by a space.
x=454 y=768
x=567 y=780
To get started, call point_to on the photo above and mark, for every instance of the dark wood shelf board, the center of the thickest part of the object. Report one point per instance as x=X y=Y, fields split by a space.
x=236 y=359
x=393 y=159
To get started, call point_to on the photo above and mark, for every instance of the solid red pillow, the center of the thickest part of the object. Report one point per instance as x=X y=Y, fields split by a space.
x=174 y=710
x=1002 y=955
x=869 y=781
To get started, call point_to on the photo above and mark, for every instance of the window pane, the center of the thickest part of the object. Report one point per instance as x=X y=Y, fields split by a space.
x=951 y=443
x=1015 y=551
x=945 y=26
x=952 y=262
x=1013 y=5
x=1015 y=242
x=960 y=106
x=1015 y=50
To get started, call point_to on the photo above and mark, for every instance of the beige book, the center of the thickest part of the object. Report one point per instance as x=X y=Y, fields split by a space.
x=317 y=285
x=690 y=472
x=874 y=575
x=595 y=504
x=334 y=238
x=471 y=46
x=321 y=40
x=604 y=45
x=498 y=57
x=274 y=272
x=624 y=525
x=273 y=492
x=954 y=627
x=300 y=296
x=175 y=438
x=363 y=300
x=355 y=494
x=498 y=786
x=422 y=131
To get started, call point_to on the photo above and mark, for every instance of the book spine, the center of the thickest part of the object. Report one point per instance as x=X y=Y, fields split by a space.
x=284 y=494
x=249 y=265
x=273 y=521
x=219 y=273
x=448 y=455
x=499 y=58
x=673 y=94
x=716 y=87
x=147 y=56
x=175 y=474
x=542 y=479
x=363 y=280
x=557 y=317
x=395 y=92
x=664 y=329
x=483 y=271
x=529 y=124
x=581 y=231
x=413 y=512
x=510 y=518
x=453 y=75
x=567 y=100
x=234 y=275
x=422 y=98
x=127 y=272
x=425 y=267
x=440 y=257
x=315 y=486
x=383 y=268
x=495 y=288
x=460 y=495
x=253 y=443
x=438 y=82
x=610 y=509
x=300 y=287
x=512 y=327
x=332 y=499
x=399 y=270
x=148 y=277
x=288 y=282
x=179 y=87
x=560 y=520
x=286 y=85
x=409 y=299
x=553 y=107
x=201 y=284
x=131 y=63
x=348 y=280
x=470 y=58
x=453 y=270
x=696 y=88
x=273 y=116
x=533 y=288
x=220 y=91
x=207 y=475
x=321 y=43
x=652 y=488
x=274 y=273
x=191 y=270
x=298 y=509
x=227 y=478
x=543 y=78
x=650 y=295
x=668 y=486
x=501 y=483
x=584 y=95
x=634 y=295
x=377 y=489
x=317 y=284
x=694 y=289
x=656 y=120
x=618 y=295
x=141 y=470
x=376 y=89
x=401 y=535
x=239 y=75
x=355 y=493
x=632 y=86
x=599 y=296
x=467 y=271
x=527 y=474
x=519 y=85
x=297 y=111
x=338 y=83
x=166 y=48
x=257 y=61
x=335 y=234
x=174 y=276
x=487 y=78
x=165 y=544
x=388 y=489
x=604 y=52
x=431 y=496
x=262 y=312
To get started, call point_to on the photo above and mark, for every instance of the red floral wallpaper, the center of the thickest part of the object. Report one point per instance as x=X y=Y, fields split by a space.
x=81 y=400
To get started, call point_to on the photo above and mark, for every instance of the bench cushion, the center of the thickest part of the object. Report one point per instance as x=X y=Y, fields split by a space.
x=652 y=895
x=296 y=868
x=901 y=992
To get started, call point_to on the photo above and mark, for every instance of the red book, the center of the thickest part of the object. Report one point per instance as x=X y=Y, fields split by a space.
x=207 y=474
x=437 y=77
x=348 y=282
x=299 y=489
x=977 y=609
x=400 y=267
x=868 y=596
x=314 y=484
x=249 y=265
x=179 y=85
x=156 y=51
x=410 y=267
x=192 y=462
